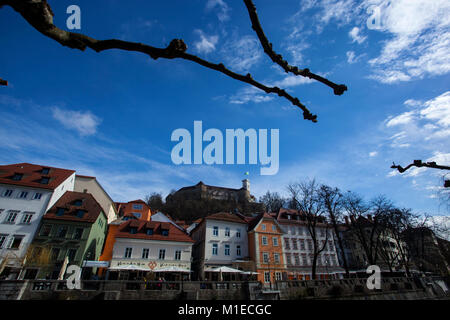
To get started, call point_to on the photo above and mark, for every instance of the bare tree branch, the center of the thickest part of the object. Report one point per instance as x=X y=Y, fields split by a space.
x=339 y=89
x=3 y=82
x=39 y=14
x=419 y=164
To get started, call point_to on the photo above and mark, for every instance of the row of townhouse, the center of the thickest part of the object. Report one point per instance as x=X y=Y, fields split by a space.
x=48 y=214
x=51 y=218
x=270 y=245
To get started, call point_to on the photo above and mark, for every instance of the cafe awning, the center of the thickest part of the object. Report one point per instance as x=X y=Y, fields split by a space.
x=129 y=267
x=171 y=269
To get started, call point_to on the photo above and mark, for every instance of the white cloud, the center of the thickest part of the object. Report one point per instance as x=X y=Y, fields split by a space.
x=404 y=118
x=419 y=39
x=438 y=109
x=85 y=123
x=249 y=94
x=223 y=9
x=342 y=11
x=413 y=103
x=373 y=154
x=241 y=53
x=422 y=133
x=351 y=57
x=430 y=119
x=356 y=36
x=389 y=76
x=206 y=44
x=292 y=81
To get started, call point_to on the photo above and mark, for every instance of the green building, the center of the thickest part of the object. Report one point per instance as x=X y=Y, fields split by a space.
x=71 y=232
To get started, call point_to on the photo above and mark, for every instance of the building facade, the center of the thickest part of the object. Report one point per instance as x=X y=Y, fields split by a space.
x=151 y=246
x=26 y=192
x=220 y=240
x=137 y=208
x=298 y=247
x=265 y=237
x=71 y=232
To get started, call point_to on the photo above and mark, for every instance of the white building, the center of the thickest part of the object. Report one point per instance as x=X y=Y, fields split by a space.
x=27 y=191
x=91 y=185
x=220 y=240
x=161 y=217
x=151 y=246
x=298 y=247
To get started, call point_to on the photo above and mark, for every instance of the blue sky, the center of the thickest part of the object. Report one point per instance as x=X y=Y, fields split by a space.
x=111 y=114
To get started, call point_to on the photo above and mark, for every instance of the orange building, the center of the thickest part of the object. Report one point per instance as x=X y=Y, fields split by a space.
x=133 y=210
x=266 y=250
x=136 y=208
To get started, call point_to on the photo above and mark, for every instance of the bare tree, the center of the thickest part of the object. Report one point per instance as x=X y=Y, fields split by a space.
x=332 y=200
x=272 y=201
x=39 y=15
x=154 y=201
x=305 y=195
x=365 y=227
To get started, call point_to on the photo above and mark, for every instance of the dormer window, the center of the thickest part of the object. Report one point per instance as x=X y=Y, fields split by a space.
x=80 y=213
x=17 y=176
x=45 y=171
x=45 y=180
x=149 y=232
x=78 y=203
x=165 y=232
x=133 y=230
x=60 y=211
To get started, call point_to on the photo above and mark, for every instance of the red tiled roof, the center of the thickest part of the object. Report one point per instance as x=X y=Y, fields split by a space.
x=91 y=207
x=137 y=201
x=226 y=216
x=175 y=234
x=32 y=175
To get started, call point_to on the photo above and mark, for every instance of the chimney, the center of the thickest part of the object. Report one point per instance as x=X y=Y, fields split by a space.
x=246 y=184
x=346 y=220
x=369 y=216
x=352 y=218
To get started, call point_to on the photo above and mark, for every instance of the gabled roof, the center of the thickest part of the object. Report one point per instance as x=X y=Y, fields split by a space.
x=89 y=205
x=32 y=175
x=255 y=221
x=297 y=217
x=221 y=216
x=226 y=216
x=138 y=201
x=175 y=234
x=102 y=189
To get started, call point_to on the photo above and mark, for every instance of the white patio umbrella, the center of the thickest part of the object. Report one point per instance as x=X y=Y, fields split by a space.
x=225 y=269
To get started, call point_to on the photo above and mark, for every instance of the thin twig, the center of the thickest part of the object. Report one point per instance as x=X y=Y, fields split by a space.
x=338 y=89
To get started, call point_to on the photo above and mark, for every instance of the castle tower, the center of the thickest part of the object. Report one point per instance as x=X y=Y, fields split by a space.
x=246 y=184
